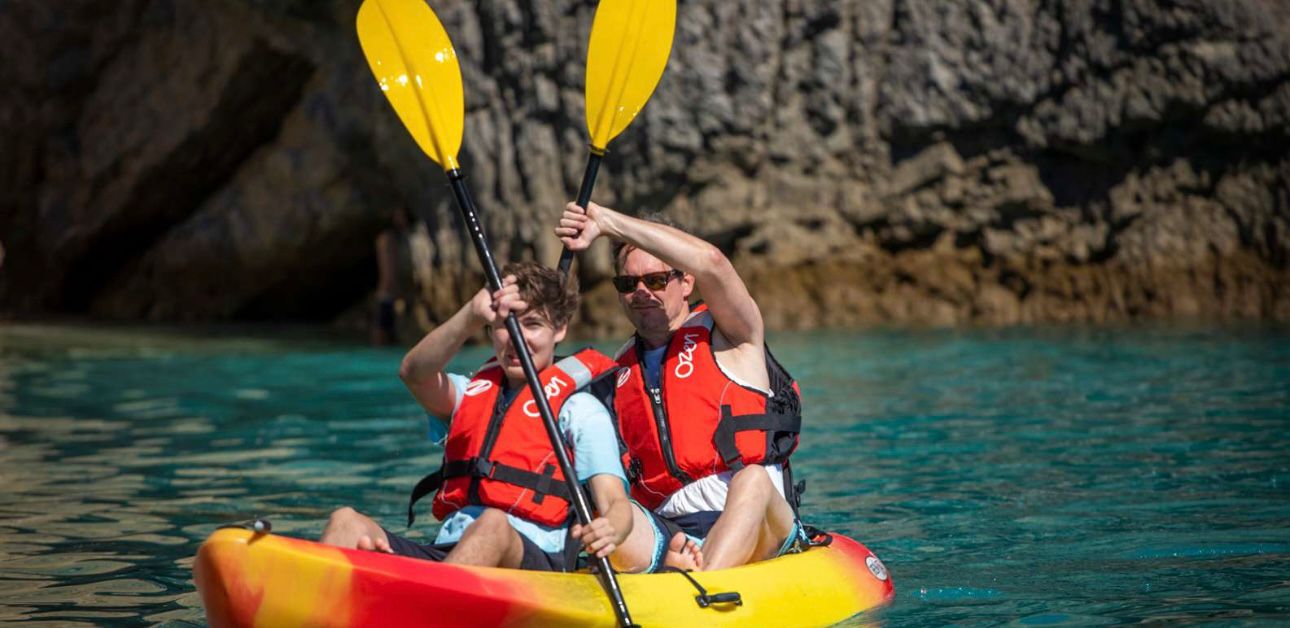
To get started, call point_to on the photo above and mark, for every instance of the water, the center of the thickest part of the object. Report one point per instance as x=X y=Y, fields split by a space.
x=1028 y=476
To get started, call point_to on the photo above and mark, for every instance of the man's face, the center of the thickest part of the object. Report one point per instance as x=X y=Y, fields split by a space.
x=540 y=336
x=654 y=312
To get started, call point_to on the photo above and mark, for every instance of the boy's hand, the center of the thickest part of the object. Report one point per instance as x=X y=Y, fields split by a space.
x=508 y=299
x=487 y=308
x=597 y=537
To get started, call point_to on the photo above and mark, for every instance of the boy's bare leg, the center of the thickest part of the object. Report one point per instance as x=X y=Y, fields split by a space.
x=636 y=552
x=351 y=529
x=489 y=542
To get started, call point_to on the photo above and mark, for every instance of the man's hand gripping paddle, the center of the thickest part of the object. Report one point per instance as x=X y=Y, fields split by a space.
x=415 y=65
x=630 y=43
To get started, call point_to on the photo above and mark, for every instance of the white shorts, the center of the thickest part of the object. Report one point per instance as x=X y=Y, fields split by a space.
x=709 y=493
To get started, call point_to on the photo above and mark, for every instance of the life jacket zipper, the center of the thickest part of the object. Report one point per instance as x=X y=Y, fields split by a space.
x=665 y=435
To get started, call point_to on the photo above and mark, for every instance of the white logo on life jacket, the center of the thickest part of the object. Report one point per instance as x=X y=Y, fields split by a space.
x=623 y=374
x=551 y=389
x=476 y=387
x=685 y=359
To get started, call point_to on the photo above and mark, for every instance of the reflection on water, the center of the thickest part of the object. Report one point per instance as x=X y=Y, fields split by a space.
x=1076 y=476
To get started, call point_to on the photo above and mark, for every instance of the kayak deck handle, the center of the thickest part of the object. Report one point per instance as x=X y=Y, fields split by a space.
x=258 y=526
x=730 y=597
x=705 y=599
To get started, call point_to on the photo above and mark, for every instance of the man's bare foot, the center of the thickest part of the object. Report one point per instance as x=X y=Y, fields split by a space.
x=683 y=553
x=379 y=545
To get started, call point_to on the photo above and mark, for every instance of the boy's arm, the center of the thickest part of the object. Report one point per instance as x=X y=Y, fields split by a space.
x=591 y=430
x=611 y=528
x=422 y=370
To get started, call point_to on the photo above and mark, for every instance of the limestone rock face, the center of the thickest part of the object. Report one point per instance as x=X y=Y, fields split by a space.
x=925 y=161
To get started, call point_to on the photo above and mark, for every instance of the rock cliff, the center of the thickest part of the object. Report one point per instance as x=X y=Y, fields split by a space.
x=925 y=161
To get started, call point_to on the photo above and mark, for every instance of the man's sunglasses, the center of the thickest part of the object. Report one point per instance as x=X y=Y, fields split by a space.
x=654 y=281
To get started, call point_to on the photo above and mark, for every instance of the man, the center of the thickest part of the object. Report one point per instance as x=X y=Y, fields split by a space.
x=707 y=417
x=500 y=493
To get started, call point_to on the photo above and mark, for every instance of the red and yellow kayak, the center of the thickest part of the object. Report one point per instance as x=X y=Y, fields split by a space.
x=250 y=579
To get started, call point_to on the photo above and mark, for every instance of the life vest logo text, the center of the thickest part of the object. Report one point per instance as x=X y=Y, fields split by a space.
x=685 y=359
x=552 y=388
x=478 y=386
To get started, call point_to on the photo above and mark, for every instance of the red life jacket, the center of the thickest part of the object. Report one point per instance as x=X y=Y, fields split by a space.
x=500 y=456
x=701 y=421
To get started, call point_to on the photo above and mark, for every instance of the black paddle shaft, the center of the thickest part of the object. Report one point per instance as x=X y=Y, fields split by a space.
x=584 y=197
x=476 y=231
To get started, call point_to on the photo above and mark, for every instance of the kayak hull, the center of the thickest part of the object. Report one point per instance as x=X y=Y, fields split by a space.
x=248 y=579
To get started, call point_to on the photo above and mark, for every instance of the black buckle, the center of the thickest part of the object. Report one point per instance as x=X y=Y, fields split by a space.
x=705 y=599
x=483 y=468
x=543 y=485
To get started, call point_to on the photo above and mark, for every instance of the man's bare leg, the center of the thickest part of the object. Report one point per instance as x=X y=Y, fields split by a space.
x=754 y=524
x=351 y=529
x=489 y=542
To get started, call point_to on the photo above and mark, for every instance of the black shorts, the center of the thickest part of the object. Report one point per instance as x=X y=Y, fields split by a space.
x=534 y=559
x=696 y=524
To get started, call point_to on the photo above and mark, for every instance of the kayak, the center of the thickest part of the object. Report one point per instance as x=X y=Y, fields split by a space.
x=258 y=579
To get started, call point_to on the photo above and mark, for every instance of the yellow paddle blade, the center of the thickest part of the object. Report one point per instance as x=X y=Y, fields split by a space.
x=630 y=42
x=414 y=63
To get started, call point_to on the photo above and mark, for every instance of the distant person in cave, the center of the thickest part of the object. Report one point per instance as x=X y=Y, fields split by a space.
x=396 y=288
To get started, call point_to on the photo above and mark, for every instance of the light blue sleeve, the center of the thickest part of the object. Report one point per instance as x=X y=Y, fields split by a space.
x=436 y=430
x=587 y=424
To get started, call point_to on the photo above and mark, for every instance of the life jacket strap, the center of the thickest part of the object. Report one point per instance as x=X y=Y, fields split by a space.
x=542 y=484
x=426 y=486
x=730 y=424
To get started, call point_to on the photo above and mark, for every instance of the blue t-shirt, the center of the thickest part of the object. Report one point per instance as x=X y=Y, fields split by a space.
x=653 y=361
x=585 y=424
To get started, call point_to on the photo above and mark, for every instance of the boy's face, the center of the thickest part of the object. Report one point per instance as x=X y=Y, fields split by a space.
x=540 y=336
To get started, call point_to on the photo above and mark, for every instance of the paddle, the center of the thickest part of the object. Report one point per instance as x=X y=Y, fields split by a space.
x=630 y=42
x=415 y=65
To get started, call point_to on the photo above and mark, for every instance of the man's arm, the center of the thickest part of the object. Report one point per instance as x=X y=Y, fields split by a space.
x=727 y=298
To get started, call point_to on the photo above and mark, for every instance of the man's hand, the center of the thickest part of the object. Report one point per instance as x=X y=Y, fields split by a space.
x=578 y=227
x=597 y=537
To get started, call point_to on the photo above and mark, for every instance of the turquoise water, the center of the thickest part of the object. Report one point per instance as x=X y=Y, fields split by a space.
x=1030 y=476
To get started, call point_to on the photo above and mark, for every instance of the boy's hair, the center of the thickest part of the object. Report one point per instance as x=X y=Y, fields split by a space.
x=654 y=217
x=541 y=288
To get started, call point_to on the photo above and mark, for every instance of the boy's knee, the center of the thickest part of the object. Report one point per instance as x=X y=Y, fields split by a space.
x=492 y=521
x=635 y=555
x=343 y=516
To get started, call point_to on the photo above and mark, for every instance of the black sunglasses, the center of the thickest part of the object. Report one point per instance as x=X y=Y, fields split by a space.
x=654 y=281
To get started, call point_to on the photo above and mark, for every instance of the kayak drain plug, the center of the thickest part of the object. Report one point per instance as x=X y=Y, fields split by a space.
x=705 y=599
